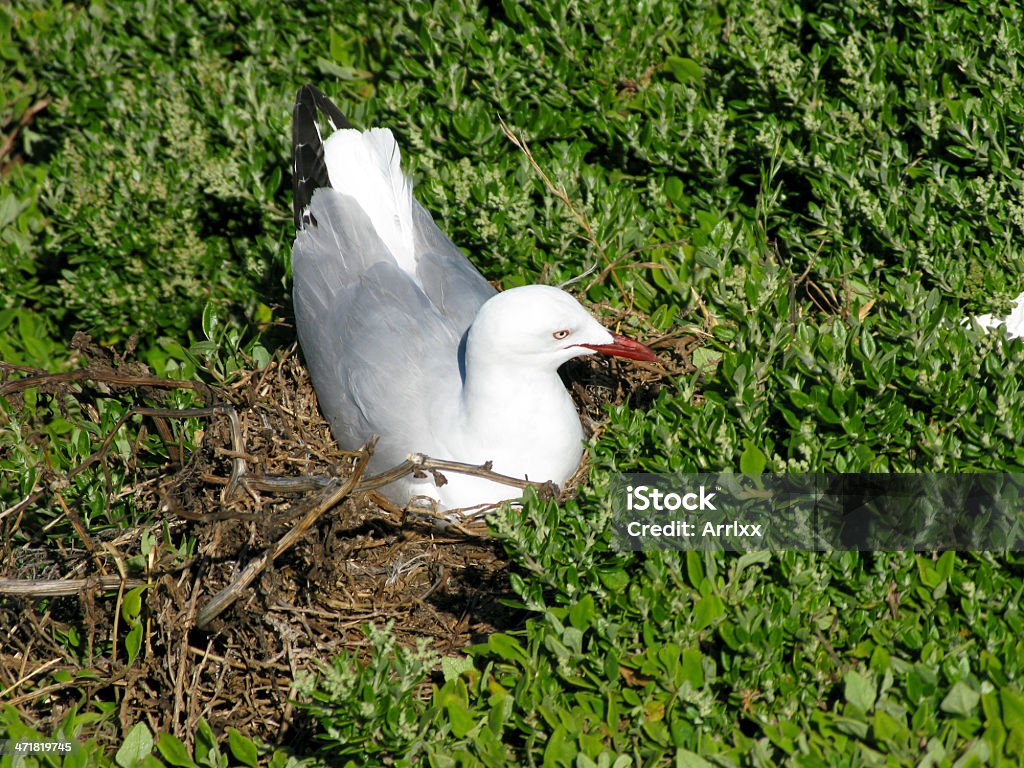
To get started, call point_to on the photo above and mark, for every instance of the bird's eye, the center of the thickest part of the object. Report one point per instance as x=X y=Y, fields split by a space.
x=559 y=335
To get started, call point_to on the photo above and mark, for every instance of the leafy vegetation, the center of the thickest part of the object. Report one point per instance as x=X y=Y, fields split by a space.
x=820 y=191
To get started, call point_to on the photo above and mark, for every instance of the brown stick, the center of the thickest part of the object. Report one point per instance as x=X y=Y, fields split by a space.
x=91 y=374
x=63 y=587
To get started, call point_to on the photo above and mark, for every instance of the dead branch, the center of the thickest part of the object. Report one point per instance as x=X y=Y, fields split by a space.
x=8 y=143
x=64 y=587
x=43 y=379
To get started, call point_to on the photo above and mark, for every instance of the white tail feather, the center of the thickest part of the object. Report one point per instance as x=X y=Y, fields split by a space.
x=367 y=165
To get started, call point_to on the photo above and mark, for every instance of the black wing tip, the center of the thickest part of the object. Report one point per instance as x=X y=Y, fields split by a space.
x=309 y=170
x=315 y=100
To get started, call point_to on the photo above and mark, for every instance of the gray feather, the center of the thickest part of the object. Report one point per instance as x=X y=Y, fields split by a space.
x=363 y=325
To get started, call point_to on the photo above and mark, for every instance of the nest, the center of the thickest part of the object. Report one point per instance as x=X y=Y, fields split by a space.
x=293 y=554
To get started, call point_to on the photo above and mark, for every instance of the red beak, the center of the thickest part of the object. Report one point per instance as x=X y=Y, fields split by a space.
x=623 y=346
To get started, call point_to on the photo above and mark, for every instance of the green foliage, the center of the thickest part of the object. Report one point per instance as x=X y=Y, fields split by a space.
x=140 y=749
x=67 y=431
x=25 y=336
x=825 y=189
x=758 y=659
x=368 y=711
x=61 y=432
x=902 y=391
x=160 y=166
x=87 y=752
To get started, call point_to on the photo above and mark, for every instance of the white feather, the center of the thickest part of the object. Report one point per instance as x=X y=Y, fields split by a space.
x=367 y=166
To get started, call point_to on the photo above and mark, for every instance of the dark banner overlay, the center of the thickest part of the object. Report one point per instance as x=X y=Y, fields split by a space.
x=867 y=512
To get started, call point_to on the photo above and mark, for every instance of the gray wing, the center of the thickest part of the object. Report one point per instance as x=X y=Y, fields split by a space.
x=380 y=353
x=453 y=284
x=382 y=345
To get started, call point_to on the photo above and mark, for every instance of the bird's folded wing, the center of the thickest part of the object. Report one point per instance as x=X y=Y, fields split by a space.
x=381 y=354
x=452 y=283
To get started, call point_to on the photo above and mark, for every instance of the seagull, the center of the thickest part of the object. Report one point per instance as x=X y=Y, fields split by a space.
x=405 y=340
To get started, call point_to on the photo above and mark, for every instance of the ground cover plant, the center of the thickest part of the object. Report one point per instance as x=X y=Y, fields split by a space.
x=797 y=203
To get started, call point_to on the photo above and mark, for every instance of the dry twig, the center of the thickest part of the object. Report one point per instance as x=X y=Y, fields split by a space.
x=559 y=192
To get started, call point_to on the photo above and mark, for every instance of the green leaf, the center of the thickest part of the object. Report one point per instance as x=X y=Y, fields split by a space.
x=459 y=716
x=613 y=581
x=962 y=700
x=693 y=667
x=211 y=321
x=560 y=749
x=506 y=646
x=707 y=610
x=887 y=729
x=860 y=690
x=454 y=667
x=1012 y=702
x=694 y=568
x=583 y=612
x=752 y=460
x=137 y=745
x=243 y=748
x=946 y=564
x=674 y=190
x=131 y=604
x=867 y=345
x=206 y=750
x=687 y=759
x=684 y=70
x=133 y=642
x=174 y=752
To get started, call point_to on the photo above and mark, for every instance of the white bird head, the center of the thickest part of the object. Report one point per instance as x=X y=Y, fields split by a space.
x=542 y=327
